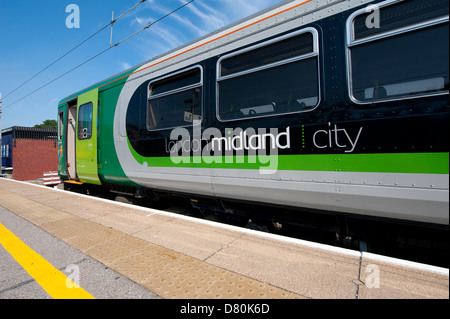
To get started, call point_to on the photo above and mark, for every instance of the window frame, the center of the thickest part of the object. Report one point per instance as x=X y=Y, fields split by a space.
x=314 y=53
x=175 y=91
x=351 y=42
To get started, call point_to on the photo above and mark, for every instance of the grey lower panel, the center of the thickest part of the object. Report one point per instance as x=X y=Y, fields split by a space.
x=398 y=196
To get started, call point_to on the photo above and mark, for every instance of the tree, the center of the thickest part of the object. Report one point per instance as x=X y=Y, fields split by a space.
x=51 y=124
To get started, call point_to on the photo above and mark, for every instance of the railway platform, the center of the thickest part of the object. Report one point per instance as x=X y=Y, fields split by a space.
x=180 y=257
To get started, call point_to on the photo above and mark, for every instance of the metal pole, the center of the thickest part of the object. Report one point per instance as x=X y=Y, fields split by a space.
x=112 y=25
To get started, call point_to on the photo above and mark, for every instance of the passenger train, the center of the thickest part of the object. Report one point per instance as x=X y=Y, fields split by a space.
x=308 y=111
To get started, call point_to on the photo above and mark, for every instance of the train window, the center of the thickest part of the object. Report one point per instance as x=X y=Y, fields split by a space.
x=259 y=57
x=400 y=15
x=407 y=56
x=175 y=101
x=276 y=77
x=85 y=121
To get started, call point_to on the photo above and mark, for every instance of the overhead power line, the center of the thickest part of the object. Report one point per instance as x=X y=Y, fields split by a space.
x=74 y=48
x=54 y=62
x=104 y=51
x=154 y=22
x=59 y=77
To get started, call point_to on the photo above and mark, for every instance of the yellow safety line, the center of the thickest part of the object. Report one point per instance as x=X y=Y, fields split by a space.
x=48 y=277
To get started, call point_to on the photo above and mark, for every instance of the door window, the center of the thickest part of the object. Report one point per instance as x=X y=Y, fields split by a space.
x=85 y=121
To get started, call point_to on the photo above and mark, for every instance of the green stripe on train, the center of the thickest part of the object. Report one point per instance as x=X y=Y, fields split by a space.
x=417 y=163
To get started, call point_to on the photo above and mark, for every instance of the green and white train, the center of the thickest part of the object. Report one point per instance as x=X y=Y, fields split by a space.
x=316 y=108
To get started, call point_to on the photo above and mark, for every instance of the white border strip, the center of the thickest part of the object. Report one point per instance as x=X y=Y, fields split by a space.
x=295 y=241
x=406 y=263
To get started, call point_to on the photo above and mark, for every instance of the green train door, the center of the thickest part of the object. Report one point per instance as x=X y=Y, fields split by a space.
x=86 y=144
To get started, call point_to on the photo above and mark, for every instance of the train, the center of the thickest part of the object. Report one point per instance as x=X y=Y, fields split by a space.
x=307 y=112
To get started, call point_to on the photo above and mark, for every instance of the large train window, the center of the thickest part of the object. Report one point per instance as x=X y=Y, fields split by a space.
x=398 y=50
x=175 y=101
x=85 y=121
x=280 y=76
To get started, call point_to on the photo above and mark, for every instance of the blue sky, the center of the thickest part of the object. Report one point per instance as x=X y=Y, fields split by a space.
x=34 y=34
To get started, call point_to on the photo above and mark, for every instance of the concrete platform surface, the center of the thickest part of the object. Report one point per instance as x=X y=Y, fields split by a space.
x=182 y=257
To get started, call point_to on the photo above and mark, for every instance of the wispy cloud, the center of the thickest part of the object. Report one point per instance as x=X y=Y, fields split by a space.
x=173 y=38
x=211 y=19
x=186 y=22
x=197 y=19
x=125 y=65
x=141 y=21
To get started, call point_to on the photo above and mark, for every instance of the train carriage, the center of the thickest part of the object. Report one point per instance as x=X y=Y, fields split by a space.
x=316 y=108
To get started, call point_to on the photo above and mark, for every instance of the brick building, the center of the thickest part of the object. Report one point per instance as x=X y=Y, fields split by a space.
x=29 y=152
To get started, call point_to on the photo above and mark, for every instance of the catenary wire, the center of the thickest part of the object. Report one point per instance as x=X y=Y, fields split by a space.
x=97 y=55
x=74 y=48
x=104 y=51
x=152 y=23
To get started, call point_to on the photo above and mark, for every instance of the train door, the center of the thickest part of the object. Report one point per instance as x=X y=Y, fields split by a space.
x=71 y=139
x=62 y=135
x=86 y=138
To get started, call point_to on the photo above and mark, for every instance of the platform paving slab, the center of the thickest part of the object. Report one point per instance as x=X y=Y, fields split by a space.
x=207 y=259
